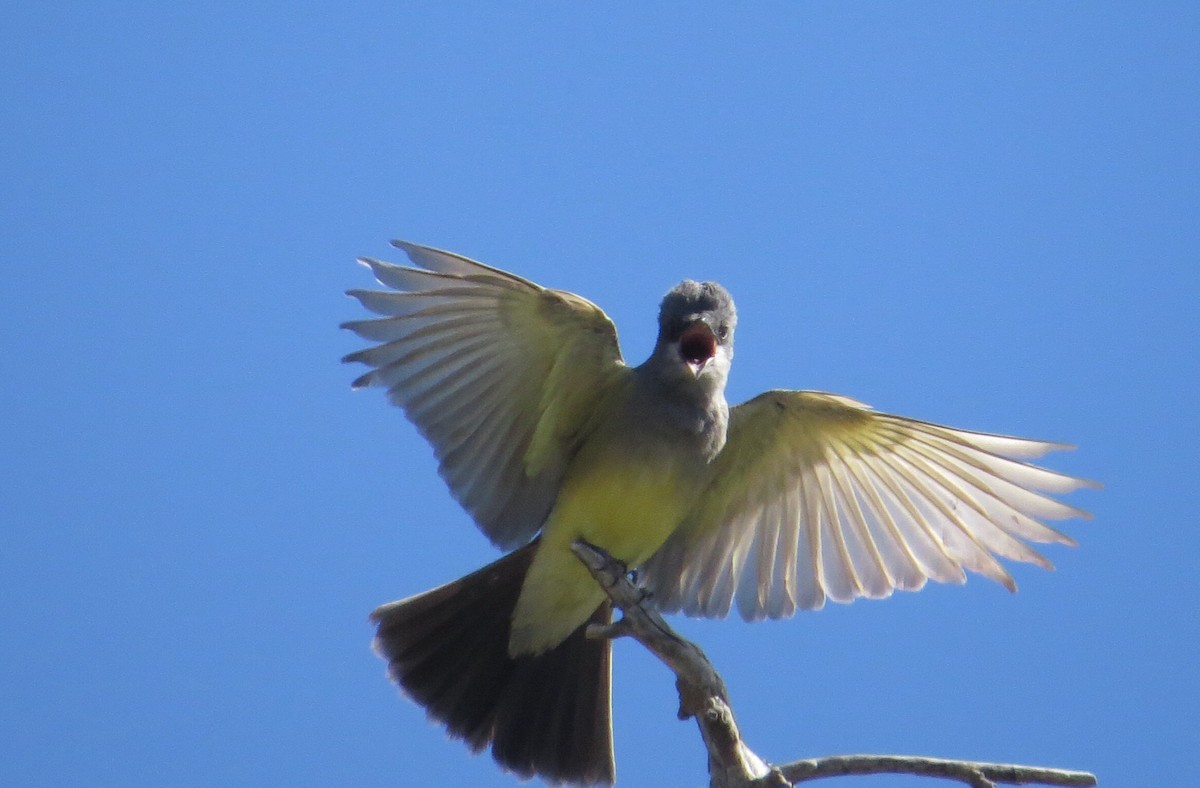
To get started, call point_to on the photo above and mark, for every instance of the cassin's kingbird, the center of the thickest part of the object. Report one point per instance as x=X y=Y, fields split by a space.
x=546 y=436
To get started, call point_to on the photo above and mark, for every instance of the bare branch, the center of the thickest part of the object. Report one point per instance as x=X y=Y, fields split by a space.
x=703 y=696
x=702 y=692
x=970 y=772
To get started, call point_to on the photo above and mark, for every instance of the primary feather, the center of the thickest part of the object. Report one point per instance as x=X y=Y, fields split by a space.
x=817 y=497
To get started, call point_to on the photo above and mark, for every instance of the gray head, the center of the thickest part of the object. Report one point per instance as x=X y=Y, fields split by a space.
x=695 y=330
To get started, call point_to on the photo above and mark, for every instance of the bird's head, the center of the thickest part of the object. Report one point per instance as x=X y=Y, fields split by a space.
x=695 y=331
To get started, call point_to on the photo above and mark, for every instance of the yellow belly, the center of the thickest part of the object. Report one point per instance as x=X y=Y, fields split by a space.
x=627 y=508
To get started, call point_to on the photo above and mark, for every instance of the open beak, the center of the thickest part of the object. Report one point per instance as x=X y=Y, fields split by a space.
x=698 y=346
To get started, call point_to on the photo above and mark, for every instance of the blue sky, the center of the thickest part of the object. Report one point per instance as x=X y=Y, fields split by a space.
x=982 y=214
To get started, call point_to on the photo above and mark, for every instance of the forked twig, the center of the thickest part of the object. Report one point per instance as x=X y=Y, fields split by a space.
x=731 y=764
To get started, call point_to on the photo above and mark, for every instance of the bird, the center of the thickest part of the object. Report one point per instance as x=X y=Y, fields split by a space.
x=545 y=435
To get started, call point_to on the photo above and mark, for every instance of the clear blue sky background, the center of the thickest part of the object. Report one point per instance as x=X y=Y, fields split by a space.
x=984 y=214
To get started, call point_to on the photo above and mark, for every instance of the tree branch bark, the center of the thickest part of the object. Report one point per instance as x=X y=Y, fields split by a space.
x=703 y=697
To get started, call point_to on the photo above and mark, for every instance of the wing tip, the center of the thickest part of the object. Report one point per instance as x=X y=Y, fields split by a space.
x=363 y=381
x=359 y=294
x=413 y=251
x=379 y=269
x=1039 y=560
x=1042 y=447
x=1068 y=512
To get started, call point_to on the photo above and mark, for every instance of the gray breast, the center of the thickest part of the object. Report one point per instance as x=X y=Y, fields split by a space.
x=685 y=422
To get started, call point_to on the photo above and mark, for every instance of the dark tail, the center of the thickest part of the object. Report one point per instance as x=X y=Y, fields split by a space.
x=546 y=715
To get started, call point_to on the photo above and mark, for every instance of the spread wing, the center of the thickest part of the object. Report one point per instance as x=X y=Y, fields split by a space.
x=817 y=496
x=497 y=373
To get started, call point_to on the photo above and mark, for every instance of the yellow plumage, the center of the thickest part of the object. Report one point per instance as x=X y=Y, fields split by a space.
x=628 y=508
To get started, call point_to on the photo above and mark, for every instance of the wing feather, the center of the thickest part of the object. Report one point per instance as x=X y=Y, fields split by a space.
x=922 y=550
x=817 y=497
x=971 y=518
x=497 y=373
x=788 y=587
x=844 y=583
x=872 y=572
x=995 y=482
x=898 y=555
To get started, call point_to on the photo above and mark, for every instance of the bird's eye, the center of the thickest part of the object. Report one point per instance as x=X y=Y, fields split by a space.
x=722 y=331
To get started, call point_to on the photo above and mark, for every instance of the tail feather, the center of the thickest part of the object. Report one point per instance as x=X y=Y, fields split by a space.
x=554 y=717
x=546 y=714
